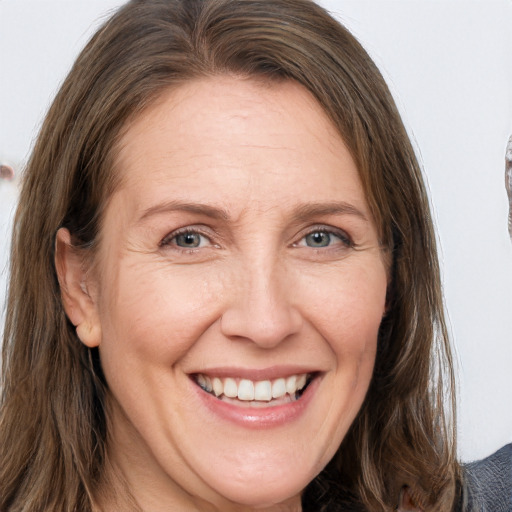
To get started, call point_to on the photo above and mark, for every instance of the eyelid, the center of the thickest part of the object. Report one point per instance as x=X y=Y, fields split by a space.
x=344 y=237
x=197 y=230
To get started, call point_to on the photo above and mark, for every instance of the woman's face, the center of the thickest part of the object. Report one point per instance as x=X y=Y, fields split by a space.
x=238 y=262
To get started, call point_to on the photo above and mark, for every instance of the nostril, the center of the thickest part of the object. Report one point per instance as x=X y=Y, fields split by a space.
x=266 y=327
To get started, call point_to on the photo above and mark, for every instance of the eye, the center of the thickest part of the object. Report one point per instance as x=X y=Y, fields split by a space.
x=189 y=240
x=318 y=239
x=186 y=239
x=324 y=237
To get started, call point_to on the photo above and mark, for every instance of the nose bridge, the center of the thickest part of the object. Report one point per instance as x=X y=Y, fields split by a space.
x=262 y=308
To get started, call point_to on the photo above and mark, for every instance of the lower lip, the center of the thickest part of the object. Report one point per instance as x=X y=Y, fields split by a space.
x=260 y=417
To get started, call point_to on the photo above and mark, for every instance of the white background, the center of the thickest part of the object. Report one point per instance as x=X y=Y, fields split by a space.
x=449 y=65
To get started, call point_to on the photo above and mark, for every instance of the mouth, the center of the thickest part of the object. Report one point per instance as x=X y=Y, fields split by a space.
x=248 y=393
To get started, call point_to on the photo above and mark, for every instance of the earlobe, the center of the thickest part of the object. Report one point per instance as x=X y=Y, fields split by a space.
x=89 y=333
x=79 y=304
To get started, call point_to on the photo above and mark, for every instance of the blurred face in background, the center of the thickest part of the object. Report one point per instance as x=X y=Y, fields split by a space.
x=238 y=295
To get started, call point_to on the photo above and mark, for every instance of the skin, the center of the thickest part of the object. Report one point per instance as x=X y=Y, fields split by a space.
x=263 y=166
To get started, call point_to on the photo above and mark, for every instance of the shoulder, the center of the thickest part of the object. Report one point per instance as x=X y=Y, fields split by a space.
x=488 y=483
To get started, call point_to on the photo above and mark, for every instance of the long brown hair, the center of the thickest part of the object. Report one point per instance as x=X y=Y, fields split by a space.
x=53 y=423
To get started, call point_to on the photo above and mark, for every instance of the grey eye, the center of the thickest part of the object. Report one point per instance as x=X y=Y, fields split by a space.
x=318 y=239
x=188 y=240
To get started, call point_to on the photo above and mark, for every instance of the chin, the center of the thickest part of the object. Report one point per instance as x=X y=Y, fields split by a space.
x=265 y=485
x=263 y=493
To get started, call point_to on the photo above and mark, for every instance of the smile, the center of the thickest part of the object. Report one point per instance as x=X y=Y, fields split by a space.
x=263 y=393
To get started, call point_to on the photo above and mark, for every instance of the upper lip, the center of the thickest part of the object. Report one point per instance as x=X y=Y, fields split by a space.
x=256 y=374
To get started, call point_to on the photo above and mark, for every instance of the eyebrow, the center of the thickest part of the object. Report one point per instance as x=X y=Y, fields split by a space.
x=197 y=208
x=306 y=211
x=301 y=213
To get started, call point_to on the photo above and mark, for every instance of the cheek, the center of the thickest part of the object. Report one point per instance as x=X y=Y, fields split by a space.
x=156 y=312
x=347 y=311
x=347 y=308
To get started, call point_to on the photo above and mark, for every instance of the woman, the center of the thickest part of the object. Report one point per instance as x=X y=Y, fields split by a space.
x=225 y=291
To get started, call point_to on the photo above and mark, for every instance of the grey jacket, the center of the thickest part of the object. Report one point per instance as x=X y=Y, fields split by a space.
x=488 y=483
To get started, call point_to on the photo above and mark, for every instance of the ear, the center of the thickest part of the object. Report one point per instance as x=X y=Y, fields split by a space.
x=75 y=288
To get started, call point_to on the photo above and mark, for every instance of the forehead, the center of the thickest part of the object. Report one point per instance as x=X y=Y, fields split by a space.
x=229 y=102
x=263 y=136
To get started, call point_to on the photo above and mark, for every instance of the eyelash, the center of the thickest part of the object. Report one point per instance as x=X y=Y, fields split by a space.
x=189 y=230
x=341 y=235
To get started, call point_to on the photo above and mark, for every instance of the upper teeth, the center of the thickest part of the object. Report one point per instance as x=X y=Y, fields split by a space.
x=245 y=389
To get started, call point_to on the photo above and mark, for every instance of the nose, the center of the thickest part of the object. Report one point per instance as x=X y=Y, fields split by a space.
x=262 y=308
